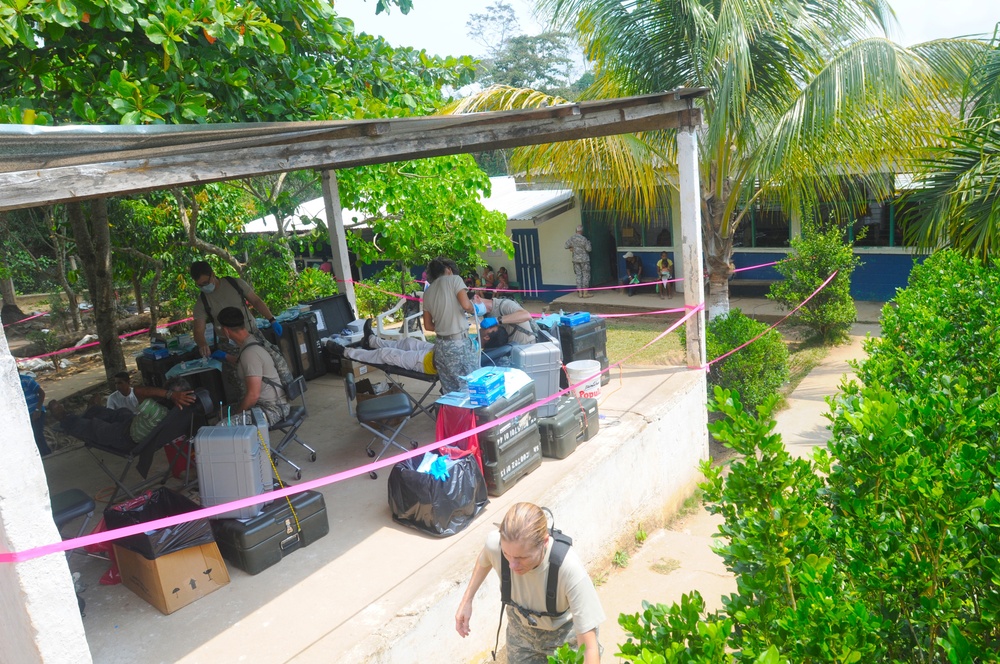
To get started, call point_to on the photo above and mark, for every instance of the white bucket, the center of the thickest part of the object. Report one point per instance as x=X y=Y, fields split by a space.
x=584 y=370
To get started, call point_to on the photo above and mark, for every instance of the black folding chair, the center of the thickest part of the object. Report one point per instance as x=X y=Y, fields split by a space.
x=385 y=416
x=289 y=426
x=178 y=422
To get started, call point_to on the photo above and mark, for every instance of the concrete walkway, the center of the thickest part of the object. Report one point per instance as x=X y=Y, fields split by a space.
x=679 y=559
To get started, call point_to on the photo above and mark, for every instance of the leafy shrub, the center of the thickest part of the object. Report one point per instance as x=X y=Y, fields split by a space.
x=816 y=255
x=944 y=323
x=377 y=294
x=311 y=284
x=755 y=372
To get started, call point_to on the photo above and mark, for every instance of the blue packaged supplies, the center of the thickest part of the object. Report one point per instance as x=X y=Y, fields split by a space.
x=575 y=318
x=156 y=353
x=485 y=381
x=487 y=398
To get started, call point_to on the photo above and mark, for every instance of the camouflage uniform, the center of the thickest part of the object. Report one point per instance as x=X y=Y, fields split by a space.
x=274 y=411
x=530 y=645
x=581 y=259
x=234 y=386
x=454 y=358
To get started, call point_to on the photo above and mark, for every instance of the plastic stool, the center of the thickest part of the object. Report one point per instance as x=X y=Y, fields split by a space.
x=70 y=504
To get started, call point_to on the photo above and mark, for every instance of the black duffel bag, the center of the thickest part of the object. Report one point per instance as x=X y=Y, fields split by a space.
x=439 y=508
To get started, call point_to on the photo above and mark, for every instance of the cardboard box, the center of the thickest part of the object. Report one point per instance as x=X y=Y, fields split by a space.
x=175 y=580
x=357 y=368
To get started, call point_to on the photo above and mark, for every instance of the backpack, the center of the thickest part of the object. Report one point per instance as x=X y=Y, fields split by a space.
x=284 y=373
x=560 y=547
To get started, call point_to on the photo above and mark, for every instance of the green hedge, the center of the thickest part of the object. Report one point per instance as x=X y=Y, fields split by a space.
x=756 y=371
x=886 y=546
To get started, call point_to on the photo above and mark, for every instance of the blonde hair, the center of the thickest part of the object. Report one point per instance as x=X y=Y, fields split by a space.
x=525 y=522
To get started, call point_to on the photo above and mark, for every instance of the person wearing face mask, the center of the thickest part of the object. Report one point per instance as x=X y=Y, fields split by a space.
x=525 y=546
x=217 y=294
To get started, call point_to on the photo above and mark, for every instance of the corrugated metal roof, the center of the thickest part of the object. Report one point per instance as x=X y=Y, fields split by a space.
x=523 y=205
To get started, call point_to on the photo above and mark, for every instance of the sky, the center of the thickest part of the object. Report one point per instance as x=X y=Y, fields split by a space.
x=439 y=25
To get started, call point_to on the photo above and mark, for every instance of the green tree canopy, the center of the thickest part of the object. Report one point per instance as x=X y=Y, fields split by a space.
x=156 y=62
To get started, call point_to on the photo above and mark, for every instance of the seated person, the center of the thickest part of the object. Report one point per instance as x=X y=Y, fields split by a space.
x=123 y=396
x=511 y=317
x=503 y=280
x=665 y=267
x=34 y=398
x=123 y=429
x=255 y=367
x=633 y=272
x=489 y=278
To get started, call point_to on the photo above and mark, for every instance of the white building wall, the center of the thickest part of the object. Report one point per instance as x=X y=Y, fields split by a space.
x=557 y=268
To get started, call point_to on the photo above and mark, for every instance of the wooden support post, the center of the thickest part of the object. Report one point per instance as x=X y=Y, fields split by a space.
x=338 y=237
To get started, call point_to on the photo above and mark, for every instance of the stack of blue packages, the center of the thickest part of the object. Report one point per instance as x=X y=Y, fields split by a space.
x=486 y=385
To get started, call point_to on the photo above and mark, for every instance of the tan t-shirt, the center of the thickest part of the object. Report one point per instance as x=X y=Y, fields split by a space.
x=517 y=333
x=574 y=591
x=255 y=361
x=224 y=296
x=441 y=300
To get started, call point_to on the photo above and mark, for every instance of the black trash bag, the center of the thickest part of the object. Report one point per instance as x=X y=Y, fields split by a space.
x=439 y=508
x=157 y=505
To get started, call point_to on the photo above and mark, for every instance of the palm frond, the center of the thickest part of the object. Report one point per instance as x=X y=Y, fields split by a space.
x=957 y=199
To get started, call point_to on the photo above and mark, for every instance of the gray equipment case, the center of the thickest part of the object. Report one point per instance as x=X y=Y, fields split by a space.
x=542 y=362
x=234 y=463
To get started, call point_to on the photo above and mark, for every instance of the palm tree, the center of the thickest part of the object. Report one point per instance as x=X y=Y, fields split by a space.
x=956 y=200
x=803 y=104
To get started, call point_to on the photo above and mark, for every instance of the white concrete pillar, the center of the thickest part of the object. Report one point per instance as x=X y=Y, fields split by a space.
x=338 y=236
x=39 y=617
x=691 y=247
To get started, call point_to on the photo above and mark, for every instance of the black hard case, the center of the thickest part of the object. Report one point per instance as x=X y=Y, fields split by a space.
x=289 y=349
x=493 y=440
x=154 y=372
x=303 y=344
x=518 y=457
x=588 y=341
x=258 y=543
x=560 y=432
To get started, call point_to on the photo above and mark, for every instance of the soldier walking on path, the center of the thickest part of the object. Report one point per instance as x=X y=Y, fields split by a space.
x=580 y=246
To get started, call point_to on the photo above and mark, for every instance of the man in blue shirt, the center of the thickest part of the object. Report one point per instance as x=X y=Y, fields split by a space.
x=34 y=397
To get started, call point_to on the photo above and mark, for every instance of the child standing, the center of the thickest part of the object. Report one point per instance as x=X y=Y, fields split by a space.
x=665 y=267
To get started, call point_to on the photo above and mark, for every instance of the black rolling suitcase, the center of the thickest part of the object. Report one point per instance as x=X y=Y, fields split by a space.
x=255 y=544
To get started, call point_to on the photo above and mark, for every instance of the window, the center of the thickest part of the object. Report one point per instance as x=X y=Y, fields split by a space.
x=643 y=229
x=764 y=227
x=873 y=228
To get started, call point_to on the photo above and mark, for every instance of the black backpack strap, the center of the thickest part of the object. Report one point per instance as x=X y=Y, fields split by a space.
x=234 y=282
x=560 y=547
x=504 y=599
